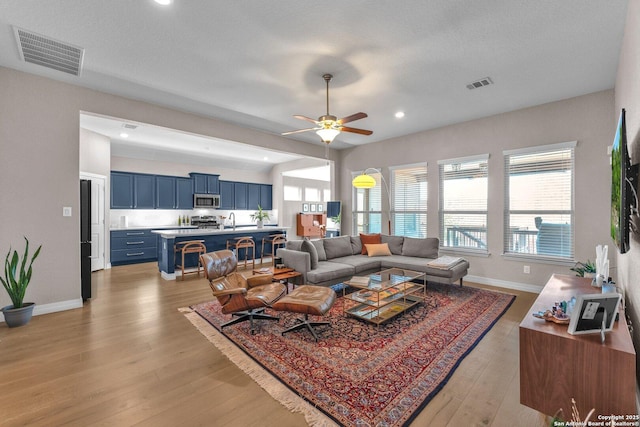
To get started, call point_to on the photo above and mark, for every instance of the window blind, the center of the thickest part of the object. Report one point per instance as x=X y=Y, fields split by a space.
x=539 y=216
x=463 y=187
x=410 y=201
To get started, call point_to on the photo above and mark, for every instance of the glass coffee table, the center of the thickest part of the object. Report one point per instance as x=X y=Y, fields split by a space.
x=382 y=296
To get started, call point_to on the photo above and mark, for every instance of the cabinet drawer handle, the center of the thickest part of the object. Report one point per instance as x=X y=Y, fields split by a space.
x=136 y=234
x=135 y=243
x=136 y=254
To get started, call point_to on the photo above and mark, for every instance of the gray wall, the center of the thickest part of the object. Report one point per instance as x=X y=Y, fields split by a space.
x=586 y=119
x=627 y=94
x=39 y=167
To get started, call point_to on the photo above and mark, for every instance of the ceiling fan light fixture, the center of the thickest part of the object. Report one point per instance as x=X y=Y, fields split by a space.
x=363 y=181
x=327 y=134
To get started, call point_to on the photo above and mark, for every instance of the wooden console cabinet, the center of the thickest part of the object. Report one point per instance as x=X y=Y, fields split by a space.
x=308 y=225
x=556 y=366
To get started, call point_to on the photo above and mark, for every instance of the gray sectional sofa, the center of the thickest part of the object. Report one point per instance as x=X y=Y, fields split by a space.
x=328 y=261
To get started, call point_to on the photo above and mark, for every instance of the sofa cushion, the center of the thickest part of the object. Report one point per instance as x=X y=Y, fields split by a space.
x=294 y=245
x=423 y=248
x=309 y=247
x=361 y=263
x=420 y=264
x=356 y=245
x=378 y=249
x=336 y=247
x=319 y=244
x=395 y=243
x=329 y=271
x=369 y=238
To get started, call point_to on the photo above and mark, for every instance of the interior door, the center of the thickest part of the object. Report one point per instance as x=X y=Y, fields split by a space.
x=97 y=221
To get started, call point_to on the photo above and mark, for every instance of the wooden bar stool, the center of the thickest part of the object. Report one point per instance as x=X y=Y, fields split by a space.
x=274 y=241
x=246 y=243
x=189 y=247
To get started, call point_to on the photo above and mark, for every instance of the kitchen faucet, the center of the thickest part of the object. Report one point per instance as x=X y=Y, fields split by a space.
x=232 y=214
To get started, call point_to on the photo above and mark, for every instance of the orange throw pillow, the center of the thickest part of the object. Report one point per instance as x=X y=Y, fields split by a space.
x=381 y=249
x=369 y=238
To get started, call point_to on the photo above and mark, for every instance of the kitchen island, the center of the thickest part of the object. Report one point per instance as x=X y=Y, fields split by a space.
x=213 y=239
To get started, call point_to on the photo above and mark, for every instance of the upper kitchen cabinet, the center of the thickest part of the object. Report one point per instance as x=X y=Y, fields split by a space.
x=144 y=191
x=205 y=183
x=266 y=196
x=240 y=198
x=227 y=195
x=121 y=190
x=165 y=192
x=184 y=193
x=253 y=196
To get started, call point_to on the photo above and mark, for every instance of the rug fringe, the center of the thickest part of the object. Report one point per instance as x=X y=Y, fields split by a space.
x=277 y=390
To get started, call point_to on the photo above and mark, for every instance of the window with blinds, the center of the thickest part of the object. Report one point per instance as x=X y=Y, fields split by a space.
x=367 y=204
x=409 y=209
x=539 y=202
x=463 y=203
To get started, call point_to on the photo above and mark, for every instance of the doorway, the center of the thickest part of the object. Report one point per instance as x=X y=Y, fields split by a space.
x=97 y=219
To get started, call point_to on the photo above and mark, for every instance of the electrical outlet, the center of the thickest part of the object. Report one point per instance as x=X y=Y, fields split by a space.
x=527 y=269
x=66 y=211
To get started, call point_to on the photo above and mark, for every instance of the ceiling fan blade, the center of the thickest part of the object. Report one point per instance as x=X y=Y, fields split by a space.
x=298 y=131
x=309 y=119
x=352 y=118
x=356 y=130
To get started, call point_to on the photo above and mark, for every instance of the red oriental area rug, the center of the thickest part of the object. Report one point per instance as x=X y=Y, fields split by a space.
x=359 y=374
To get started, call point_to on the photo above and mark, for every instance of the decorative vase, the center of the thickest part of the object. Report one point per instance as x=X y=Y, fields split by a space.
x=259 y=223
x=15 y=317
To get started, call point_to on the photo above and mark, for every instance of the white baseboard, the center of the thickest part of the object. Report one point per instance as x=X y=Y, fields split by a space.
x=53 y=307
x=168 y=276
x=504 y=284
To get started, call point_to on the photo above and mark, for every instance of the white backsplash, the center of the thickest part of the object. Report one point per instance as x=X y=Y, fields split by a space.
x=162 y=217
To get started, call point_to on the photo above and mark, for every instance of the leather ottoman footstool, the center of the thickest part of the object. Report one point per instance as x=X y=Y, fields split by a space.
x=306 y=299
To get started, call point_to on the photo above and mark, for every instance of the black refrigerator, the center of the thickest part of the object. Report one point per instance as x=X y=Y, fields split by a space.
x=85 y=238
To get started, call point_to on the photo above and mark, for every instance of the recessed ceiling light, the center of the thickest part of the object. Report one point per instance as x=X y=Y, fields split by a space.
x=124 y=135
x=265 y=158
x=164 y=2
x=400 y=114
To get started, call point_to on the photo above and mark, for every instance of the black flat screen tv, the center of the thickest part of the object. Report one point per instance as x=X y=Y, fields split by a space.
x=623 y=177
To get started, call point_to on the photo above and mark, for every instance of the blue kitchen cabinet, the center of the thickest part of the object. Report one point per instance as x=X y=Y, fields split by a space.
x=184 y=193
x=240 y=198
x=253 y=196
x=144 y=191
x=133 y=246
x=165 y=192
x=121 y=190
x=266 y=196
x=205 y=183
x=227 y=195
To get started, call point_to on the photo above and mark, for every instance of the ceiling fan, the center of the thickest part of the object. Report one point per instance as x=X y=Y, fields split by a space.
x=328 y=126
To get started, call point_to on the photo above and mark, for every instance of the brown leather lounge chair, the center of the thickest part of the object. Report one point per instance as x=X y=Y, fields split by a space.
x=243 y=297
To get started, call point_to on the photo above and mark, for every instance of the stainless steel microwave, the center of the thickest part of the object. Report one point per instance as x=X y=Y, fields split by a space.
x=210 y=201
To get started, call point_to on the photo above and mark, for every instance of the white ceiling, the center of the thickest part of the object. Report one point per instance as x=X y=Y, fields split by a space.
x=257 y=63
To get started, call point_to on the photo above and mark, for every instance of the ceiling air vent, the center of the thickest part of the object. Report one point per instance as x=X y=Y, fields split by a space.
x=129 y=126
x=486 y=81
x=41 y=50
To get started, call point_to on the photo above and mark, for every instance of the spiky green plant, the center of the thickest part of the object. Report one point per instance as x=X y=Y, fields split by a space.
x=16 y=281
x=259 y=215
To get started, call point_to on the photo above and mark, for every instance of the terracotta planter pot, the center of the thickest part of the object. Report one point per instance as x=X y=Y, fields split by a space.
x=15 y=317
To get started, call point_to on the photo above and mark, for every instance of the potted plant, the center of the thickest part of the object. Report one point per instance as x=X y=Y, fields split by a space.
x=584 y=269
x=17 y=275
x=259 y=216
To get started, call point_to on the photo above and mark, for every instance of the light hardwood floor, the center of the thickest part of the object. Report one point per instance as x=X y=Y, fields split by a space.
x=130 y=358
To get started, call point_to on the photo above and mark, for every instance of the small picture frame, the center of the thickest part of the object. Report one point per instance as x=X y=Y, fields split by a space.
x=305 y=207
x=594 y=313
x=320 y=207
x=313 y=207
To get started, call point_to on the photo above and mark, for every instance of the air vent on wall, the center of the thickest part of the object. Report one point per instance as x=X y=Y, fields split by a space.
x=47 y=52
x=486 y=81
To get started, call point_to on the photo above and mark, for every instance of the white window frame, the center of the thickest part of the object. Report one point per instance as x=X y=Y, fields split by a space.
x=421 y=209
x=508 y=250
x=481 y=246
x=368 y=225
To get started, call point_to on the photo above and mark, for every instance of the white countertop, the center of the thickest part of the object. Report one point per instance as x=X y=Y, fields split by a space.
x=209 y=232
x=155 y=227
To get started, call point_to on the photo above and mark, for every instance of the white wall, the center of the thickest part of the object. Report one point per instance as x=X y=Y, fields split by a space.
x=627 y=95
x=586 y=119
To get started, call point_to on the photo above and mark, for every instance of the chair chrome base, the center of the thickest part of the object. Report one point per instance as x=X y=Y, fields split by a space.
x=249 y=315
x=306 y=324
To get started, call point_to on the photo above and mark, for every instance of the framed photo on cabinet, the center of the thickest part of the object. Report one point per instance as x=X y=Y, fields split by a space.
x=313 y=207
x=320 y=207
x=305 y=207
